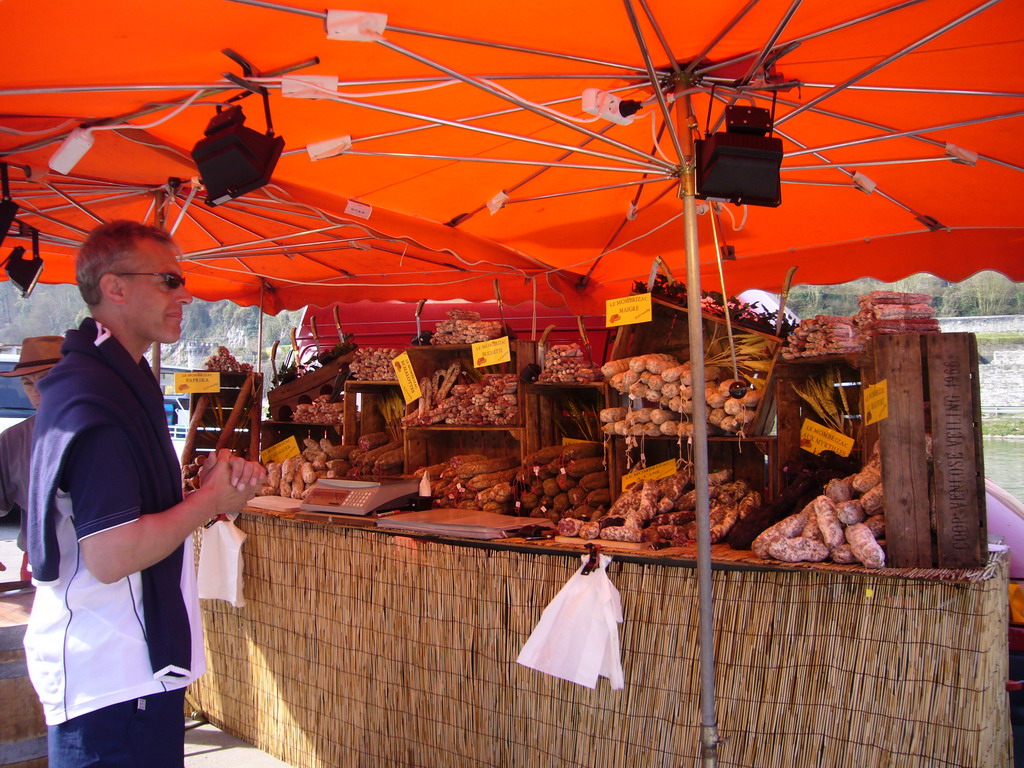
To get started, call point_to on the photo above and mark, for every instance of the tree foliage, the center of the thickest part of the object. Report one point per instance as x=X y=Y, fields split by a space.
x=53 y=309
x=985 y=293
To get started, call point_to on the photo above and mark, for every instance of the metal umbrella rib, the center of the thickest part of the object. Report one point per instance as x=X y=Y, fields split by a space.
x=887 y=60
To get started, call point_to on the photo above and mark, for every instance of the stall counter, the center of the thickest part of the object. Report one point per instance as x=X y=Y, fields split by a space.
x=358 y=647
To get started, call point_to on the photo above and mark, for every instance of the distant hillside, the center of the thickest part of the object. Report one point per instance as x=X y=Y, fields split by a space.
x=52 y=309
x=986 y=293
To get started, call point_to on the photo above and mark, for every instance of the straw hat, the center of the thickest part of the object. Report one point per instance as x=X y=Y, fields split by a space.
x=38 y=353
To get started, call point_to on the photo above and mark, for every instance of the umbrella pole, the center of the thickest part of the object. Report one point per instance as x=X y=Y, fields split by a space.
x=259 y=330
x=695 y=326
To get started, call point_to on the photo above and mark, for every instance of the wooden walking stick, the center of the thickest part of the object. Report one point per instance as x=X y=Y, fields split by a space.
x=193 y=427
x=236 y=413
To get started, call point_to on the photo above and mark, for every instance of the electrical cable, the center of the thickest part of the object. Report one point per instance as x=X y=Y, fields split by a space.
x=16 y=132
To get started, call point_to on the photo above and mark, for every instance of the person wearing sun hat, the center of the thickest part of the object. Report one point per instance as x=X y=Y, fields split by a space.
x=38 y=355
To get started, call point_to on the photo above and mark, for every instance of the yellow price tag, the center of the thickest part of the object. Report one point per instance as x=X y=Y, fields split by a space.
x=278 y=452
x=197 y=381
x=491 y=352
x=816 y=439
x=406 y=377
x=628 y=310
x=876 y=402
x=869 y=593
x=655 y=472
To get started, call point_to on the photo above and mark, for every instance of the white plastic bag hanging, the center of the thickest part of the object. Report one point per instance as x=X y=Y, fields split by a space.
x=577 y=637
x=220 y=563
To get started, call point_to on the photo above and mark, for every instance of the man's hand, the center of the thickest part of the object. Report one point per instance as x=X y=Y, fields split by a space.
x=229 y=481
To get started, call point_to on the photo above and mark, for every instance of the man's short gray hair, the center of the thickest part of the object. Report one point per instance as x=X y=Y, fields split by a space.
x=111 y=248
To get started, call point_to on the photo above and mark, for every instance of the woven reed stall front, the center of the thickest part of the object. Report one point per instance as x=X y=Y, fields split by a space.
x=358 y=648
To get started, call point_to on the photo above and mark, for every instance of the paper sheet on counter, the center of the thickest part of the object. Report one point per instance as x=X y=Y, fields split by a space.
x=462 y=523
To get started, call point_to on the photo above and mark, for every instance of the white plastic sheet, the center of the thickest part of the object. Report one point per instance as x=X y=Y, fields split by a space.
x=220 y=563
x=577 y=637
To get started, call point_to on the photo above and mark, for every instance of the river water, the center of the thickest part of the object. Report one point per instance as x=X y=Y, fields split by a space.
x=1004 y=464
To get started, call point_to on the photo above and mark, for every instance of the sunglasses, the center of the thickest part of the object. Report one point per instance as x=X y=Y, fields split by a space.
x=171 y=280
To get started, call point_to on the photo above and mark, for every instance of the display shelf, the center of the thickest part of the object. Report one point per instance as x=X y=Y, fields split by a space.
x=273 y=432
x=750 y=458
x=554 y=411
x=668 y=332
x=326 y=380
x=426 y=360
x=853 y=371
x=363 y=403
x=934 y=488
x=302 y=423
x=425 y=446
x=434 y=443
x=228 y=418
x=465 y=428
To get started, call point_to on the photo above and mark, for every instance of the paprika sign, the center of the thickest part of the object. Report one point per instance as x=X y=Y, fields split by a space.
x=192 y=382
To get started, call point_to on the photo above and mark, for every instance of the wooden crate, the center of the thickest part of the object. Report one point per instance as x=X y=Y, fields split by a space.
x=273 y=432
x=425 y=446
x=306 y=388
x=224 y=419
x=934 y=506
x=549 y=407
x=668 y=332
x=429 y=445
x=751 y=459
x=935 y=515
x=853 y=371
x=363 y=401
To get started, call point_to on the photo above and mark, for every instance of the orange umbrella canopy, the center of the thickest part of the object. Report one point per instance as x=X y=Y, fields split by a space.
x=460 y=126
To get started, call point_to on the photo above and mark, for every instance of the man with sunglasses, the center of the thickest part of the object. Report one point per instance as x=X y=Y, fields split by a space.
x=114 y=636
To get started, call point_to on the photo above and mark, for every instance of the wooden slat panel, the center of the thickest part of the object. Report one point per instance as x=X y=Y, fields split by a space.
x=979 y=457
x=790 y=415
x=958 y=497
x=902 y=436
x=868 y=432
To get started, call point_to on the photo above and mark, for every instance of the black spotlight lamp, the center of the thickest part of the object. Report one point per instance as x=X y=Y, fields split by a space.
x=8 y=208
x=742 y=164
x=24 y=273
x=233 y=159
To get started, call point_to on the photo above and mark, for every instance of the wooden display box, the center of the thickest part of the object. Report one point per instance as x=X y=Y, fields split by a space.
x=226 y=419
x=751 y=459
x=306 y=388
x=668 y=332
x=934 y=500
x=273 y=432
x=363 y=414
x=853 y=371
x=555 y=411
x=427 y=445
x=935 y=514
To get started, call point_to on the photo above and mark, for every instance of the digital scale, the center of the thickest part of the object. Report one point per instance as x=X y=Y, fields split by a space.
x=359 y=497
